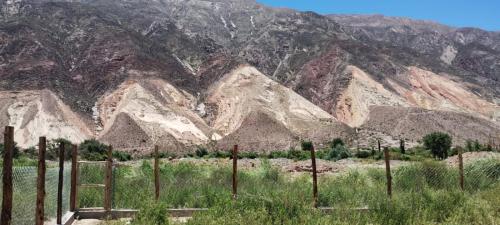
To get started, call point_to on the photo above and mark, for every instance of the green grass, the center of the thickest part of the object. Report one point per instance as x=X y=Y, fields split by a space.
x=423 y=193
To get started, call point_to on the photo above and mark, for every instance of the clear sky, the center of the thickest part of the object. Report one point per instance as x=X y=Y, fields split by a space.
x=484 y=14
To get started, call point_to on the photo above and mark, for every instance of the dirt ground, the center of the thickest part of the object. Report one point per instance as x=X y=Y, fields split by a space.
x=292 y=166
x=472 y=156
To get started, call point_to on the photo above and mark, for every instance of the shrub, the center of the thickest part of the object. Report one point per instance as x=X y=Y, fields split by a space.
x=219 y=154
x=439 y=143
x=473 y=146
x=298 y=155
x=363 y=154
x=336 y=141
x=339 y=152
x=307 y=145
x=31 y=152
x=248 y=155
x=152 y=214
x=53 y=149
x=15 y=154
x=122 y=156
x=93 y=150
x=201 y=151
x=278 y=154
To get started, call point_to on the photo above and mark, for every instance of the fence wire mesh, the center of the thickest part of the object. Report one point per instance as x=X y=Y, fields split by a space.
x=24 y=182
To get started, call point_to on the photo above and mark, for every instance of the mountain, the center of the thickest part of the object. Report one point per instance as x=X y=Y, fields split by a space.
x=185 y=73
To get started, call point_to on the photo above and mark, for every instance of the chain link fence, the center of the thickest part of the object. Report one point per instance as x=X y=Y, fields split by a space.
x=24 y=182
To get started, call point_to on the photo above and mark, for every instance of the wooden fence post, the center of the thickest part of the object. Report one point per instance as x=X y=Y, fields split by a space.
x=74 y=161
x=315 y=177
x=6 y=216
x=388 y=171
x=157 y=174
x=235 y=172
x=461 y=169
x=60 y=182
x=40 y=186
x=107 y=181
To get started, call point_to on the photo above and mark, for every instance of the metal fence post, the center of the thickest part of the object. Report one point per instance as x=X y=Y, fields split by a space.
x=6 y=216
x=40 y=196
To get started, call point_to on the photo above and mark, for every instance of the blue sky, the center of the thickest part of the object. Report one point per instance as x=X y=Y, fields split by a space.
x=484 y=14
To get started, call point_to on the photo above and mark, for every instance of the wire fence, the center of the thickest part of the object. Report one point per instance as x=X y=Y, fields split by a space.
x=194 y=185
x=24 y=182
x=189 y=185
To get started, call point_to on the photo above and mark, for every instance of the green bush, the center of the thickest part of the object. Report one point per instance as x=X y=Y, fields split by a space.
x=53 y=149
x=307 y=145
x=339 y=152
x=31 y=152
x=439 y=143
x=93 y=150
x=363 y=154
x=219 y=154
x=298 y=155
x=278 y=155
x=15 y=154
x=201 y=151
x=152 y=214
x=122 y=156
x=336 y=142
x=248 y=155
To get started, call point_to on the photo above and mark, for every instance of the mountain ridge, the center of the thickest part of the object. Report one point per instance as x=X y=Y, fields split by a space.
x=85 y=51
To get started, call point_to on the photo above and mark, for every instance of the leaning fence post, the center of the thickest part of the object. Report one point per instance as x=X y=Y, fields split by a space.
x=156 y=174
x=74 y=158
x=40 y=195
x=388 y=171
x=6 y=216
x=315 y=177
x=107 y=181
x=461 y=169
x=60 y=183
x=235 y=172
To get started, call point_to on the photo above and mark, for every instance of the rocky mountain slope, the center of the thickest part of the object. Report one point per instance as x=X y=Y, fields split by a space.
x=183 y=73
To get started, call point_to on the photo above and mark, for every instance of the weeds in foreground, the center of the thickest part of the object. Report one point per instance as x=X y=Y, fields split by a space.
x=424 y=193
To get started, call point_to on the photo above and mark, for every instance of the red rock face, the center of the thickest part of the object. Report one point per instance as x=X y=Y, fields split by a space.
x=322 y=79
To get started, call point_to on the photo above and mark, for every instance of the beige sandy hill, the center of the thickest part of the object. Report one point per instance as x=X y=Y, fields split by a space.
x=444 y=92
x=245 y=91
x=416 y=88
x=363 y=92
x=156 y=109
x=260 y=132
x=414 y=123
x=40 y=113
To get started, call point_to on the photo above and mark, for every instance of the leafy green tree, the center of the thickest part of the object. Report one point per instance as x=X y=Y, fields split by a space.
x=438 y=143
x=201 y=151
x=307 y=145
x=15 y=154
x=53 y=149
x=93 y=150
x=337 y=142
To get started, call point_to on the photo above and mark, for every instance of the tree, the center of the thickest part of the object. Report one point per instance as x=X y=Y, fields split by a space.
x=337 y=142
x=438 y=143
x=93 y=150
x=53 y=149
